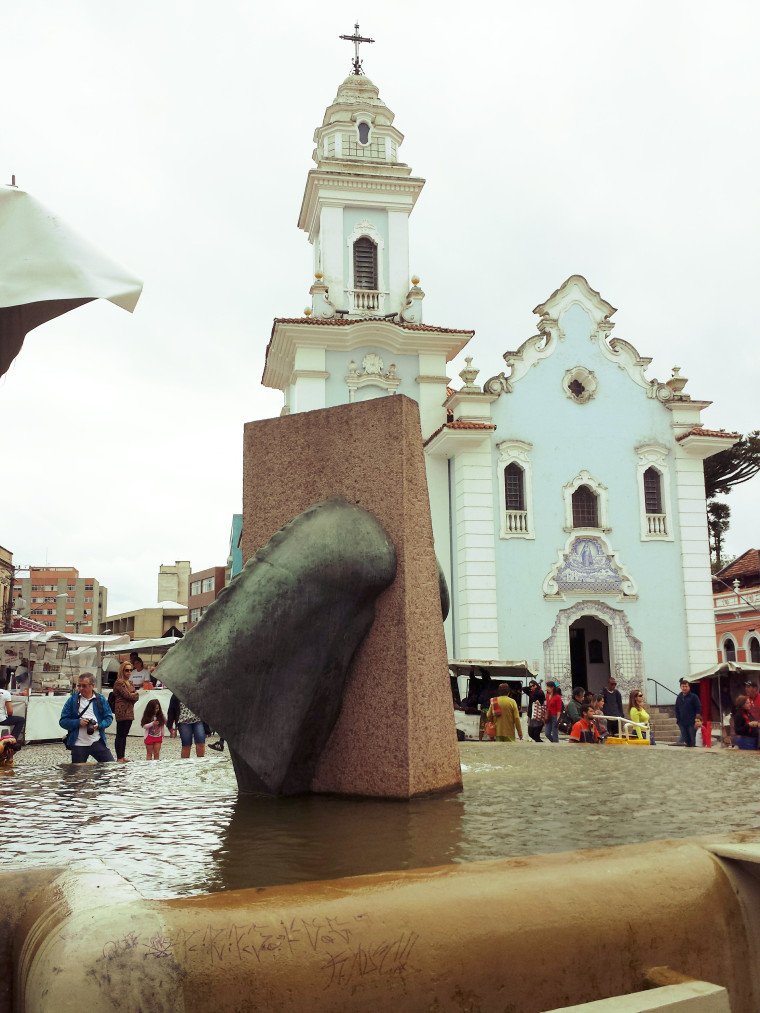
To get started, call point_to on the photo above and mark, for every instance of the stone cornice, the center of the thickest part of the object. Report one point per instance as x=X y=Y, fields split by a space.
x=392 y=190
x=286 y=338
x=432 y=379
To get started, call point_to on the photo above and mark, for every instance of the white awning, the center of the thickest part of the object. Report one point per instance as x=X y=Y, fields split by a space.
x=46 y=269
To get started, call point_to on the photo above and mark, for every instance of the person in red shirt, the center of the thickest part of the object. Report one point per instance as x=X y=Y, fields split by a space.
x=585 y=730
x=754 y=699
x=553 y=711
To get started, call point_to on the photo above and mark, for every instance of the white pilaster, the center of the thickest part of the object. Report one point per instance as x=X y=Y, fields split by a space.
x=432 y=381
x=398 y=259
x=437 y=469
x=308 y=389
x=695 y=560
x=331 y=240
x=476 y=608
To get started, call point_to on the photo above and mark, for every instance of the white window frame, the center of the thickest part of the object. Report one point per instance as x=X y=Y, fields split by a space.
x=735 y=640
x=602 y=507
x=515 y=452
x=749 y=635
x=654 y=455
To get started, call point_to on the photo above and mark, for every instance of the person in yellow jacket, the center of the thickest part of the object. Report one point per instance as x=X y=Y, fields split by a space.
x=505 y=714
x=637 y=712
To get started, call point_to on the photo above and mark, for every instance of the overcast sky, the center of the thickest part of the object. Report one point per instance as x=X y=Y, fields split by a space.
x=618 y=141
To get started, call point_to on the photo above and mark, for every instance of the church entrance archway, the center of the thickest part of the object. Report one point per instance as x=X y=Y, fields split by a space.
x=589 y=653
x=618 y=648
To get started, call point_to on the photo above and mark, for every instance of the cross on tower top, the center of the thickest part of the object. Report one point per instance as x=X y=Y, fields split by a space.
x=356 y=38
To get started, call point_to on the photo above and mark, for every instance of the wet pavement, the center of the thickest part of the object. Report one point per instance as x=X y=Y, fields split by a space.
x=178 y=827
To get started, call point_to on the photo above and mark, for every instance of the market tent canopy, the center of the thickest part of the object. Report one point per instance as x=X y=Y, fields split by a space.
x=80 y=639
x=46 y=269
x=142 y=645
x=505 y=669
x=727 y=668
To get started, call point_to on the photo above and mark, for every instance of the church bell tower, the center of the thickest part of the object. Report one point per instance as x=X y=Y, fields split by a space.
x=357 y=203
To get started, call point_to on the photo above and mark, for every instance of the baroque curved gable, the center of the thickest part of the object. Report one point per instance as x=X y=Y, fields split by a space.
x=576 y=291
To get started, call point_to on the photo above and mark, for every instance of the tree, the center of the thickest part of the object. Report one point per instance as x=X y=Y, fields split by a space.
x=718 y=519
x=731 y=467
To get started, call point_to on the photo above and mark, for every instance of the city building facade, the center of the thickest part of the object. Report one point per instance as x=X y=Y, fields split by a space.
x=567 y=491
x=174 y=581
x=59 y=599
x=205 y=585
x=736 y=593
x=161 y=620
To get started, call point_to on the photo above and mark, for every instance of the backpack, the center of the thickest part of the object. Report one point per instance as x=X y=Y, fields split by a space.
x=112 y=699
x=564 y=723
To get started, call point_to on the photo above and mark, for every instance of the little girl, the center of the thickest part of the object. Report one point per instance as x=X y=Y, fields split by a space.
x=153 y=722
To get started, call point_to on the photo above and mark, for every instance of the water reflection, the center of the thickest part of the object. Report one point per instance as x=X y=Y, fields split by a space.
x=176 y=828
x=276 y=841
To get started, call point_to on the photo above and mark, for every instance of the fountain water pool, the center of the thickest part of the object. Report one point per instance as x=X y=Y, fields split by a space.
x=179 y=828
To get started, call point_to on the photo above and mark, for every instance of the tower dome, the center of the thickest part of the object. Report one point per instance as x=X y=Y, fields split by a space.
x=357 y=126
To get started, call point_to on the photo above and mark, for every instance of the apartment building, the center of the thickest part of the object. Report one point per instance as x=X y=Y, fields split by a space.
x=205 y=585
x=59 y=599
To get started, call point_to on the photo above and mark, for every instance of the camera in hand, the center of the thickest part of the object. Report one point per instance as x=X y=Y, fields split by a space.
x=92 y=727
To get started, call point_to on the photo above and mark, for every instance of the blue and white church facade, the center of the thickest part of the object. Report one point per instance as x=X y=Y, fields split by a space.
x=567 y=491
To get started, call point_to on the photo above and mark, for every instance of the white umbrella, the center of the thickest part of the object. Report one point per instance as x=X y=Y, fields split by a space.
x=46 y=269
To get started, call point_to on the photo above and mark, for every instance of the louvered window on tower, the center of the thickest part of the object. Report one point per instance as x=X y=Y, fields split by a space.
x=365 y=264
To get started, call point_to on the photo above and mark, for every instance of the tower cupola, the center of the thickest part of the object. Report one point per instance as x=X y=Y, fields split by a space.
x=356 y=208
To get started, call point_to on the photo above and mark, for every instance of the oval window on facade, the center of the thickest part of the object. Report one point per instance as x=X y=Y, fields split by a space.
x=363 y=129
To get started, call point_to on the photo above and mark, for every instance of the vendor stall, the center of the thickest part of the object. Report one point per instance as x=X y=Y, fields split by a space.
x=48 y=666
x=718 y=688
x=473 y=683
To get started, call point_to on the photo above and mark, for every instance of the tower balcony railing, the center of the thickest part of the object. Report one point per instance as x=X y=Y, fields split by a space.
x=657 y=524
x=366 y=300
x=517 y=522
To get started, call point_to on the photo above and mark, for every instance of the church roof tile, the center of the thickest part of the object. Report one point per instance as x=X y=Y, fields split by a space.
x=348 y=321
x=720 y=434
x=459 y=425
x=747 y=565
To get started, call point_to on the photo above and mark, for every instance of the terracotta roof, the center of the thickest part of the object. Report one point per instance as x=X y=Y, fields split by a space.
x=720 y=434
x=348 y=321
x=747 y=565
x=460 y=425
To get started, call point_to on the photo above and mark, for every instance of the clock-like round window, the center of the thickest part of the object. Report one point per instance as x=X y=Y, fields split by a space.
x=580 y=384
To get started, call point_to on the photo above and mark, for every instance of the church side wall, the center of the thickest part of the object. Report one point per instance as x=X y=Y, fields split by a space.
x=601 y=438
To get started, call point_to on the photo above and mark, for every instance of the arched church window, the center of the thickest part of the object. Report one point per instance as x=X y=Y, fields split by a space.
x=652 y=491
x=363 y=131
x=514 y=487
x=754 y=650
x=365 y=263
x=585 y=513
x=729 y=649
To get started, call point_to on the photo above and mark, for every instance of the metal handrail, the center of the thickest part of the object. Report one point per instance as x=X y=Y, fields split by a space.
x=656 y=684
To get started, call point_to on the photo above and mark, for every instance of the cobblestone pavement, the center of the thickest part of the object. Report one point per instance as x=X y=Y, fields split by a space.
x=50 y=754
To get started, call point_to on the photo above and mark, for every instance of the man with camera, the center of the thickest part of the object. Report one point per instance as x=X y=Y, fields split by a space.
x=85 y=716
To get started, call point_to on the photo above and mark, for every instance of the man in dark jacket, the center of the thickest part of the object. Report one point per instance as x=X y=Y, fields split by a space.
x=613 y=705
x=687 y=708
x=85 y=716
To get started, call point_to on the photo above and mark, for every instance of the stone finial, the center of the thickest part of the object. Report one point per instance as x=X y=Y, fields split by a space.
x=320 y=297
x=468 y=375
x=677 y=382
x=735 y=584
x=411 y=311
